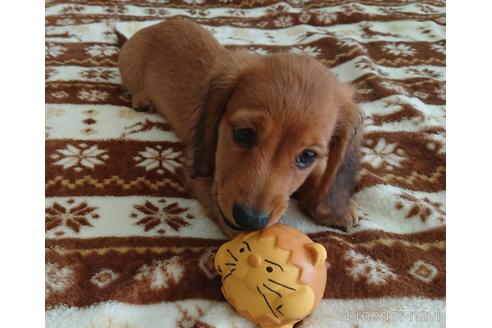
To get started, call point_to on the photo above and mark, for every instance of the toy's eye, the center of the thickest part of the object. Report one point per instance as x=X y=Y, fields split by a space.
x=269 y=269
x=241 y=250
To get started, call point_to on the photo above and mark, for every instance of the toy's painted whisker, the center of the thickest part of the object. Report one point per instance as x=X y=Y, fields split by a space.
x=228 y=274
x=233 y=264
x=273 y=291
x=235 y=258
x=278 y=309
x=266 y=301
x=276 y=282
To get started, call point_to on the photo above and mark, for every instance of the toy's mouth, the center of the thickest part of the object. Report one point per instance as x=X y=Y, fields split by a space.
x=227 y=222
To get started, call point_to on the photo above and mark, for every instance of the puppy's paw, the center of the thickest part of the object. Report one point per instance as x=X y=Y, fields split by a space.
x=141 y=103
x=325 y=215
x=351 y=217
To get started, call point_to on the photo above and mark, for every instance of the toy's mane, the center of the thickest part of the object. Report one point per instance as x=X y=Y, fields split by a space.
x=294 y=241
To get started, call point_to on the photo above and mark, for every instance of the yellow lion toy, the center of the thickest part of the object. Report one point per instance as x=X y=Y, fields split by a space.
x=275 y=276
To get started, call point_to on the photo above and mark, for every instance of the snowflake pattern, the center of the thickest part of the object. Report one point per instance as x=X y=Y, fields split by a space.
x=92 y=95
x=161 y=273
x=375 y=272
x=399 y=49
x=309 y=50
x=73 y=216
x=327 y=18
x=283 y=21
x=101 y=50
x=158 y=159
x=80 y=158
x=383 y=153
x=422 y=208
x=54 y=50
x=163 y=214
x=97 y=74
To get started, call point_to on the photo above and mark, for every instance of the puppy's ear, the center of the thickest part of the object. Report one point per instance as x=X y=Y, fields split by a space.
x=220 y=88
x=328 y=194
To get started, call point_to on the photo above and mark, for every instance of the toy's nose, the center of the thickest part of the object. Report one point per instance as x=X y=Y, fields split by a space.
x=254 y=260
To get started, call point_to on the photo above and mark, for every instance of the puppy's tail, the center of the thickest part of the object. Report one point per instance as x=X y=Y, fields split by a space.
x=121 y=38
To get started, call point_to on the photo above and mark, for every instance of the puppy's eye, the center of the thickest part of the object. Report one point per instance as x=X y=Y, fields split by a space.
x=306 y=158
x=244 y=136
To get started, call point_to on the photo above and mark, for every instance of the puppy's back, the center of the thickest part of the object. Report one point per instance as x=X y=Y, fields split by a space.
x=170 y=63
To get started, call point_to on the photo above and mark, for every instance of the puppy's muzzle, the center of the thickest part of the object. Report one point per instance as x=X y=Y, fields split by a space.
x=249 y=218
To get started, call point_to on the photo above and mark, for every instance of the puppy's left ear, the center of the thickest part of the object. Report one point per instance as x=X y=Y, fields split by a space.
x=332 y=194
x=220 y=88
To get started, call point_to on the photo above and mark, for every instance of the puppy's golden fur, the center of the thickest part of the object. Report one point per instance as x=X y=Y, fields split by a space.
x=291 y=102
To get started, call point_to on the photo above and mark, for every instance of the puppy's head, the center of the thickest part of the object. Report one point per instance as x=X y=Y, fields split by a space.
x=267 y=123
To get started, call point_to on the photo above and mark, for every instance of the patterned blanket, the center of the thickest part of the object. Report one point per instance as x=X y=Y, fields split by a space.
x=126 y=245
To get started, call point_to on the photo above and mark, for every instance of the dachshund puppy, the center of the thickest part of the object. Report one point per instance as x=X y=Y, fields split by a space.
x=256 y=128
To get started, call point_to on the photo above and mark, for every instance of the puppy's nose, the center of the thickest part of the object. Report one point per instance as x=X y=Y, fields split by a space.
x=249 y=218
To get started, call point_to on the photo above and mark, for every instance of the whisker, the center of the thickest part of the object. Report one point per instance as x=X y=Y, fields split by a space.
x=220 y=270
x=233 y=264
x=273 y=291
x=278 y=307
x=228 y=274
x=266 y=301
x=228 y=251
x=276 y=282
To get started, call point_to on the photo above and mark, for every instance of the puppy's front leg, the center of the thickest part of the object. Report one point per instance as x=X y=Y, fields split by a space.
x=336 y=208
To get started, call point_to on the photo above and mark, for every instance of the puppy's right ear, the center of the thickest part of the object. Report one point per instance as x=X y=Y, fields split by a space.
x=222 y=82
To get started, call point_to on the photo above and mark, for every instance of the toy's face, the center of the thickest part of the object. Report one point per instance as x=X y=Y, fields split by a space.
x=259 y=281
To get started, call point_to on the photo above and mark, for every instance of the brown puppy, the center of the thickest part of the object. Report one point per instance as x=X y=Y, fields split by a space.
x=257 y=128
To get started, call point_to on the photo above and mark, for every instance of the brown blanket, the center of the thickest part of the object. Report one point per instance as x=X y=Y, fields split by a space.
x=126 y=246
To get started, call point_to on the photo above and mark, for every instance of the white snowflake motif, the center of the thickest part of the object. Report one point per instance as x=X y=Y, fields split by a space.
x=156 y=158
x=101 y=50
x=161 y=272
x=439 y=48
x=309 y=50
x=92 y=95
x=53 y=50
x=57 y=278
x=283 y=21
x=375 y=272
x=399 y=49
x=80 y=158
x=327 y=18
x=383 y=152
x=194 y=2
